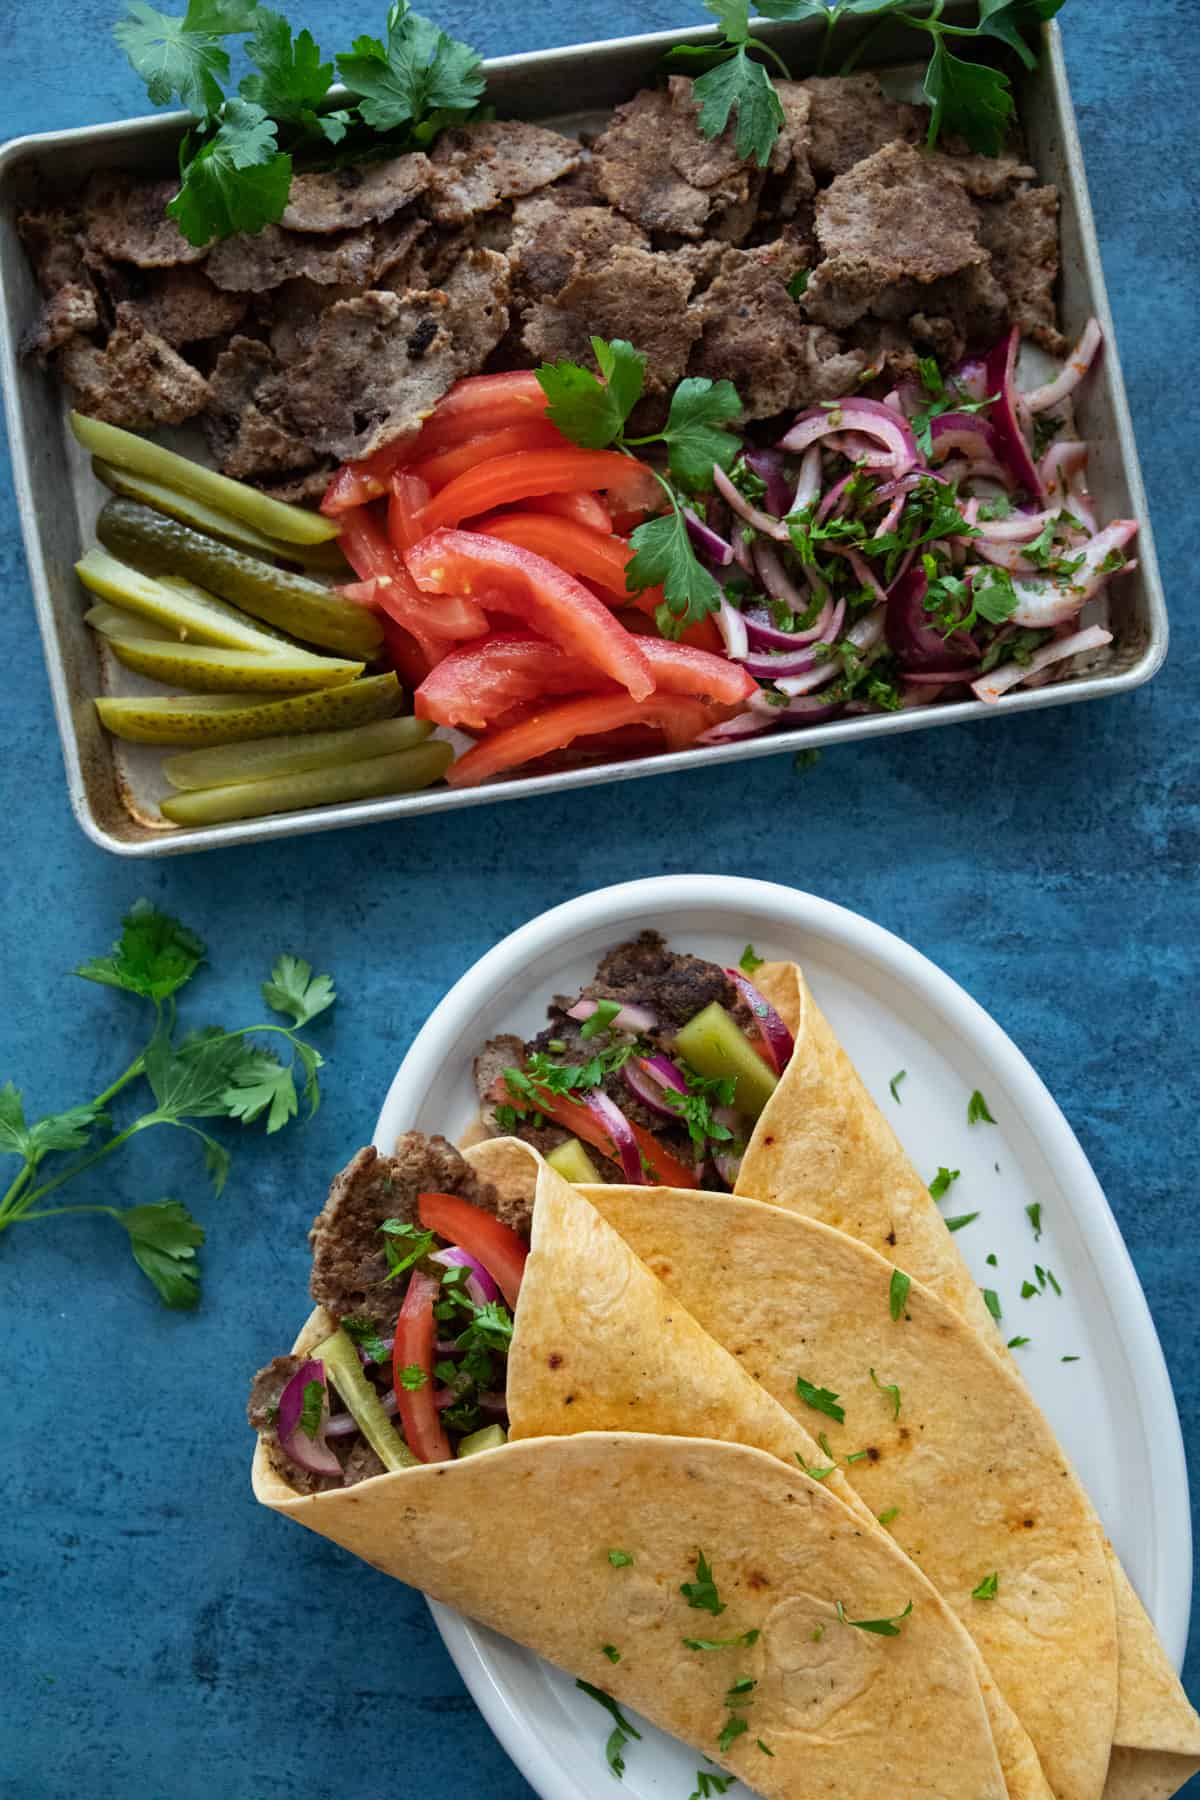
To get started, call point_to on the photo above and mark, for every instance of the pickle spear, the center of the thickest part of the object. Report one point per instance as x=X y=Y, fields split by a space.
x=185 y=719
x=573 y=1163
x=161 y=546
x=126 y=450
x=715 y=1046
x=210 y=519
x=398 y=774
x=213 y=669
x=230 y=765
x=113 y=621
x=185 y=612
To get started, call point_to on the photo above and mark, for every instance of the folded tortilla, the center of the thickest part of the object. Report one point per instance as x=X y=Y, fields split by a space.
x=823 y=1148
x=601 y=1351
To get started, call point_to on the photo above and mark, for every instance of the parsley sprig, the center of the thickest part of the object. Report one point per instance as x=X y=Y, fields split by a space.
x=207 y=1074
x=236 y=162
x=593 y=411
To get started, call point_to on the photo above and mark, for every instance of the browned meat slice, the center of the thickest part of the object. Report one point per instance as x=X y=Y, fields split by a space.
x=70 y=311
x=891 y=218
x=755 y=336
x=970 y=308
x=349 y=1273
x=53 y=240
x=126 y=218
x=886 y=346
x=851 y=119
x=635 y=294
x=356 y=1456
x=307 y=489
x=477 y=288
x=653 y=164
x=253 y=262
x=295 y=311
x=478 y=166
x=137 y=379
x=549 y=237
x=247 y=441
x=344 y=198
x=791 y=181
x=984 y=177
x=645 y=971
x=1022 y=236
x=398 y=262
x=183 y=306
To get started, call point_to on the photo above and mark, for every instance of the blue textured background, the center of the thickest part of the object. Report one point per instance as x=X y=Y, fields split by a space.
x=165 y=1638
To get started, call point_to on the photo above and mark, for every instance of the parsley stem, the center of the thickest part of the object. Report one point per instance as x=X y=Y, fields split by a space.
x=863 y=44
x=831 y=20
x=757 y=44
x=55 y=1212
x=21 y=1210
x=6 y=1204
x=136 y=1068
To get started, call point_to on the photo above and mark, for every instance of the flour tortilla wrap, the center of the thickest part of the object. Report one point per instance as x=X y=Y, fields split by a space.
x=519 y=1536
x=823 y=1148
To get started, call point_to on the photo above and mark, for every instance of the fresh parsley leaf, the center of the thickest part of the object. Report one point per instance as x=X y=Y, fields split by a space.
x=702 y=1593
x=991 y=1300
x=620 y=1559
x=898 y=1292
x=731 y=1731
x=742 y=87
x=695 y=433
x=164 y=1238
x=413 y=1377
x=765 y=1748
x=939 y=1187
x=363 y=1333
x=708 y=1784
x=892 y=1512
x=857 y=1456
x=610 y=1706
x=261 y=1084
x=663 y=557
x=733 y=1643
x=1017 y=1343
x=891 y=1390
x=154 y=956
x=592 y=412
x=192 y=1079
x=977 y=1110
x=183 y=56
x=797 y=287
x=295 y=990
x=611 y=1651
x=418 y=1244
x=987 y=1587
x=1052 y=1279
x=420 y=70
x=1028 y=1291
x=1068 y=1359
x=69 y=1130
x=894 y=1084
x=310 y=1411
x=967 y=99
x=291 y=80
x=750 y=960
x=956 y=1224
x=736 y=1694
x=821 y=1400
x=606 y=1011
x=237 y=180
x=880 y=1627
x=695 y=1107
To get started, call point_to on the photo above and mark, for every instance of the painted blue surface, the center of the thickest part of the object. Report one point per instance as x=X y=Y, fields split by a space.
x=165 y=1638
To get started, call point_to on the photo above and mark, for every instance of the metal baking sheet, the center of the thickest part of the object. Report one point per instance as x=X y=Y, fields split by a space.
x=58 y=498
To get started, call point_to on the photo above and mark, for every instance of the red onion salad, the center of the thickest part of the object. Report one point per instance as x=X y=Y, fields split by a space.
x=886 y=554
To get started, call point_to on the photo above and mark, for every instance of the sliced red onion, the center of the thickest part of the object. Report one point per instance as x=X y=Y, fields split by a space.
x=1051 y=602
x=621 y=1132
x=775 y=1035
x=775 y=578
x=864 y=573
x=913 y=638
x=936 y=677
x=869 y=630
x=1012 y=674
x=713 y=547
x=479 y=1283
x=444 y=1397
x=870 y=417
x=808 y=681
x=1001 y=380
x=308 y=1453
x=1073 y=371
x=983 y=469
x=733 y=629
x=368 y=1362
x=489 y=1402
x=1062 y=463
x=647 y=1076
x=831 y=500
x=630 y=1018
x=859 y=450
x=1005 y=556
x=766 y=636
x=964 y=434
x=970 y=378
x=768 y=466
x=345 y=1424
x=1018 y=529
x=770 y=665
x=728 y=1165
x=808 y=484
x=759 y=520
x=742 y=725
x=738 y=537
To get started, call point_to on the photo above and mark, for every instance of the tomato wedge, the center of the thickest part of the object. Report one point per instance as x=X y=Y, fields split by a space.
x=496 y=1244
x=576 y=548
x=412 y=660
x=504 y=578
x=413 y=1348
x=528 y=474
x=583 y=507
x=444 y=465
x=680 y=719
x=407 y=499
x=382 y=569
x=356 y=483
x=582 y=1122
x=482 y=403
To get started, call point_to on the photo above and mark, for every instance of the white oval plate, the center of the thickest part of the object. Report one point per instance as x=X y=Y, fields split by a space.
x=893 y=1009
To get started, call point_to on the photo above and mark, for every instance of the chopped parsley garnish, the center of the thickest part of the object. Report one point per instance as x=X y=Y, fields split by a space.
x=736 y=1695
x=939 y=1187
x=891 y=1390
x=622 y=1732
x=508 y=1119
x=821 y=1400
x=413 y=1377
x=765 y=1748
x=857 y=1456
x=417 y=1243
x=695 y=1107
x=310 y=1411
x=702 y=1593
x=957 y=1223
x=364 y=1334
x=991 y=1300
x=815 y=1474
x=734 y=1643
x=611 y=1651
x=620 y=1559
x=990 y=1259
x=880 y=1627
x=987 y=1587
x=750 y=960
x=892 y=1512
x=898 y=1292
x=731 y=1731
x=977 y=1110
x=708 y=1784
x=941 y=400
x=798 y=283
x=1017 y=1343
x=1034 y=1215
x=542 y=1075
x=894 y=1084
x=818 y=1632
x=1046 y=427
x=1050 y=1277
x=803 y=759
x=1068 y=1359
x=1029 y=1291
x=600 y=1021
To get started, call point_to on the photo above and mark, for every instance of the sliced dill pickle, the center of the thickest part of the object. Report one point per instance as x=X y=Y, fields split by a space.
x=161 y=546
x=343 y=1368
x=185 y=719
x=213 y=669
x=204 y=598
x=489 y=1437
x=398 y=774
x=234 y=764
x=573 y=1163
x=126 y=450
x=214 y=522
x=185 y=612
x=114 y=621
x=714 y=1045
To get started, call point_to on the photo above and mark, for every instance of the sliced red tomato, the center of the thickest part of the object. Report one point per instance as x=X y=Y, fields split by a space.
x=366 y=547
x=496 y=1244
x=356 y=483
x=680 y=719
x=682 y=669
x=407 y=498
x=665 y=1169
x=482 y=403
x=375 y=559
x=583 y=508
x=504 y=578
x=413 y=1348
x=411 y=660
x=578 y=549
x=528 y=474
x=444 y=465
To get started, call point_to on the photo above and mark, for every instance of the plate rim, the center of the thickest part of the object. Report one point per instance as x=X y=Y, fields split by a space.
x=796 y=908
